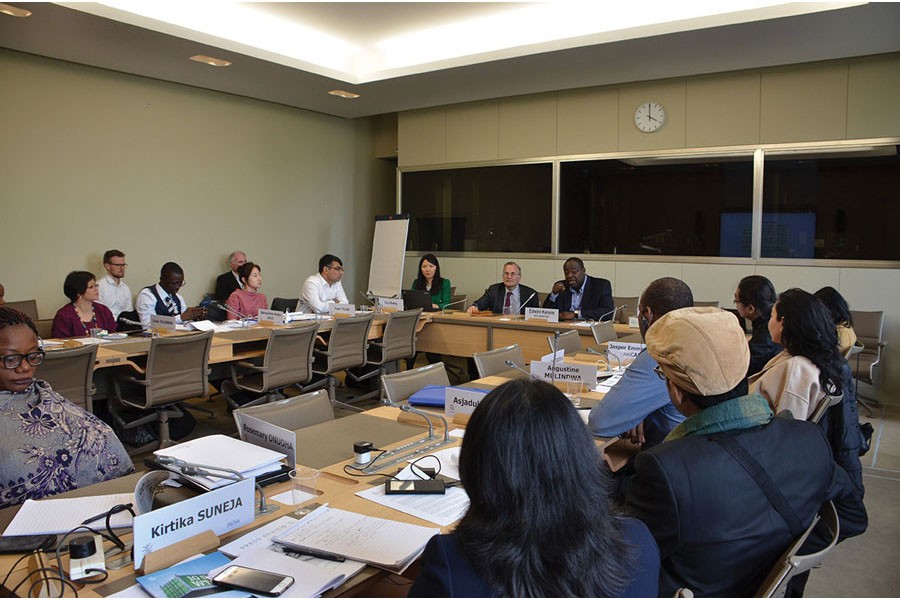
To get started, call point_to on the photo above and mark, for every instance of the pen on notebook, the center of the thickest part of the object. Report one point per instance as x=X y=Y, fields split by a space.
x=90 y=520
x=323 y=555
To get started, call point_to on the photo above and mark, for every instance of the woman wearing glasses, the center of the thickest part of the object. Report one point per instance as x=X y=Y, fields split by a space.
x=47 y=444
x=84 y=315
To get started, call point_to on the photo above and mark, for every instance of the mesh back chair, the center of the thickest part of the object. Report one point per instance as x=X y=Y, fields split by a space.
x=294 y=413
x=177 y=369
x=827 y=402
x=283 y=304
x=630 y=309
x=288 y=361
x=569 y=342
x=44 y=328
x=347 y=349
x=70 y=373
x=793 y=563
x=29 y=307
x=458 y=301
x=400 y=386
x=707 y=303
x=494 y=361
x=605 y=331
x=397 y=343
x=869 y=328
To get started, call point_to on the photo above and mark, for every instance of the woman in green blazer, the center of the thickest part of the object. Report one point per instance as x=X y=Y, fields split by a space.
x=430 y=279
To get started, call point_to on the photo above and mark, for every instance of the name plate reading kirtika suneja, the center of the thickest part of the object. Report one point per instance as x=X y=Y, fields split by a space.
x=162 y=323
x=459 y=401
x=276 y=317
x=389 y=304
x=342 y=310
x=575 y=372
x=551 y=315
x=221 y=510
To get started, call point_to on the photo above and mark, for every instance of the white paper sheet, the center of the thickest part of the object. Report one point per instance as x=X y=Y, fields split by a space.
x=288 y=498
x=59 y=515
x=435 y=508
x=449 y=461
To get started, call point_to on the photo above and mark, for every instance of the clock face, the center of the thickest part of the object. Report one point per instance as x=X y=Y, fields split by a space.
x=649 y=116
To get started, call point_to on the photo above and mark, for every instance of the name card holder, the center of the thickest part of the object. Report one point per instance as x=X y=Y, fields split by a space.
x=339 y=311
x=550 y=315
x=171 y=555
x=461 y=401
x=162 y=324
x=585 y=374
x=633 y=322
x=389 y=305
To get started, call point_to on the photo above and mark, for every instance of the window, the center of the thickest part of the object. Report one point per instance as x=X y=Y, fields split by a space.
x=686 y=207
x=479 y=209
x=832 y=206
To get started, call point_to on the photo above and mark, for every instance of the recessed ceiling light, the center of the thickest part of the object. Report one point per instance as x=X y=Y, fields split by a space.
x=209 y=60
x=343 y=94
x=12 y=11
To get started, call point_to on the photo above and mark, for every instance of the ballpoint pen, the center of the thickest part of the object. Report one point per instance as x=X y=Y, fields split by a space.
x=322 y=555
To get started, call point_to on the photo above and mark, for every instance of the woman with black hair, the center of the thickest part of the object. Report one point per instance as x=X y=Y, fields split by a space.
x=840 y=314
x=47 y=444
x=429 y=279
x=753 y=299
x=84 y=315
x=810 y=366
x=539 y=523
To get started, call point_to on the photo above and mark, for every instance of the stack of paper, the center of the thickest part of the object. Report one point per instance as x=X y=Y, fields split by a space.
x=221 y=452
x=383 y=543
x=59 y=515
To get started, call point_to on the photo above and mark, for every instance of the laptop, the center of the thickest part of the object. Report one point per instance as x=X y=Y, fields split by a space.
x=413 y=299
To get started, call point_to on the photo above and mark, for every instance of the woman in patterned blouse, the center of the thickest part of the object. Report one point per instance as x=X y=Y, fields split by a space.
x=47 y=444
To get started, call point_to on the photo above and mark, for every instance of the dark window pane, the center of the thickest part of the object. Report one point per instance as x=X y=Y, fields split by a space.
x=839 y=207
x=479 y=209
x=684 y=208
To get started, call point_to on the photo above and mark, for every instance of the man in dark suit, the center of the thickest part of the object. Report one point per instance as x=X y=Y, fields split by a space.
x=701 y=491
x=229 y=281
x=509 y=297
x=580 y=295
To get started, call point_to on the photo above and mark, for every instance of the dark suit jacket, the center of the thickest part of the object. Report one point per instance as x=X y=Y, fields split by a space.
x=447 y=572
x=596 y=301
x=495 y=296
x=225 y=284
x=717 y=532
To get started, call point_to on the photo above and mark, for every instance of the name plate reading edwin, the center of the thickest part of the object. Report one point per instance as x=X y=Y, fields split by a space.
x=342 y=310
x=276 y=317
x=162 y=323
x=221 y=510
x=575 y=372
x=389 y=304
x=267 y=435
x=625 y=349
x=551 y=315
x=458 y=401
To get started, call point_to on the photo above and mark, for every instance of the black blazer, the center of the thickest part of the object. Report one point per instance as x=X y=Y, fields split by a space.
x=495 y=296
x=597 y=300
x=225 y=284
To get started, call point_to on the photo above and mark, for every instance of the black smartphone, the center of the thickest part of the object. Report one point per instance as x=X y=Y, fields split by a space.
x=415 y=486
x=18 y=544
x=254 y=580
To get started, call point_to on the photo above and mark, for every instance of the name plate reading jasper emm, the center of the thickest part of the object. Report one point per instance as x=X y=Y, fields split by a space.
x=575 y=372
x=163 y=323
x=458 y=401
x=551 y=315
x=221 y=510
x=342 y=310
x=625 y=349
x=267 y=435
x=276 y=317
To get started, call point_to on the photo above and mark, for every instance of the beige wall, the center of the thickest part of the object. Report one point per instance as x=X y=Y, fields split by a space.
x=92 y=159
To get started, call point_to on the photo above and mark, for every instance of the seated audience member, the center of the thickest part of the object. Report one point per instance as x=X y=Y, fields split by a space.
x=230 y=280
x=249 y=300
x=538 y=524
x=324 y=288
x=430 y=280
x=164 y=299
x=638 y=405
x=840 y=314
x=581 y=296
x=509 y=297
x=809 y=367
x=84 y=316
x=719 y=533
x=753 y=299
x=49 y=444
x=114 y=292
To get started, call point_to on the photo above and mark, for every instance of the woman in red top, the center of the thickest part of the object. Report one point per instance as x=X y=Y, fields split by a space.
x=84 y=313
x=248 y=301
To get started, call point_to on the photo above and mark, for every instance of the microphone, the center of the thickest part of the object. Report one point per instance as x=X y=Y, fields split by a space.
x=513 y=365
x=606 y=356
x=444 y=310
x=230 y=310
x=612 y=312
x=553 y=366
x=524 y=304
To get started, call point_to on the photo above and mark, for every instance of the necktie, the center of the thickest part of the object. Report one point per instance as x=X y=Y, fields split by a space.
x=508 y=299
x=170 y=306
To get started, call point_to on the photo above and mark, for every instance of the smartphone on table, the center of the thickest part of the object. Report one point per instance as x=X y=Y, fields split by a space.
x=253 y=580
x=17 y=544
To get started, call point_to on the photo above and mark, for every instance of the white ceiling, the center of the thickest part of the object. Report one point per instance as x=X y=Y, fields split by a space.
x=401 y=56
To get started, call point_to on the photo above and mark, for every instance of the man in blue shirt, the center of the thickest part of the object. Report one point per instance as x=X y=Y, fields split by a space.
x=638 y=406
x=581 y=296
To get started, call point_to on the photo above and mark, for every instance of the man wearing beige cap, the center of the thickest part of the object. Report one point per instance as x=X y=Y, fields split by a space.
x=701 y=491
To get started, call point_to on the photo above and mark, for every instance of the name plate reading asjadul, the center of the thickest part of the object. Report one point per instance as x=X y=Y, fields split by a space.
x=267 y=435
x=342 y=310
x=458 y=401
x=275 y=317
x=389 y=304
x=162 y=323
x=221 y=510
x=551 y=315
x=575 y=372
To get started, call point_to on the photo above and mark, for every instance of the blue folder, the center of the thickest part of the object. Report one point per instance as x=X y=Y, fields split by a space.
x=433 y=395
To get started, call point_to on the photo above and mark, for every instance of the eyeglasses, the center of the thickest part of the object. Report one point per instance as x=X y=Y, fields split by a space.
x=12 y=361
x=118 y=264
x=659 y=372
x=176 y=284
x=336 y=268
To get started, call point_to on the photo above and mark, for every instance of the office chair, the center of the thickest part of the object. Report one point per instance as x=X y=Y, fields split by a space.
x=347 y=348
x=400 y=386
x=569 y=342
x=285 y=304
x=604 y=331
x=869 y=328
x=70 y=373
x=397 y=343
x=288 y=361
x=492 y=362
x=827 y=402
x=177 y=369
x=630 y=310
x=44 y=328
x=707 y=303
x=294 y=413
x=28 y=307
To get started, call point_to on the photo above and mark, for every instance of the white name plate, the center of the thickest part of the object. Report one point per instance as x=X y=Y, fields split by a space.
x=267 y=435
x=586 y=374
x=221 y=510
x=162 y=323
x=342 y=310
x=458 y=401
x=551 y=315
x=625 y=349
x=633 y=322
x=389 y=304
x=276 y=317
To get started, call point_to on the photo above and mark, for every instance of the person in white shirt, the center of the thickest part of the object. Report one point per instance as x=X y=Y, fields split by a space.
x=323 y=288
x=115 y=293
x=164 y=299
